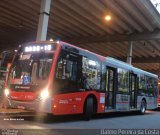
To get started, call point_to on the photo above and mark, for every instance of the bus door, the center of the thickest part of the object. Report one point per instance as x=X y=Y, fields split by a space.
x=133 y=91
x=110 y=88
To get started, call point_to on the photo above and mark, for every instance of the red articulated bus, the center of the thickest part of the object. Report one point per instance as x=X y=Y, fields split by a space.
x=59 y=78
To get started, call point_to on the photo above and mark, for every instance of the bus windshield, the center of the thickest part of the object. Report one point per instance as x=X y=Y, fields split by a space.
x=30 y=69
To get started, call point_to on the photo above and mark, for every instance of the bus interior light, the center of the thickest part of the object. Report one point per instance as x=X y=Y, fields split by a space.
x=34 y=48
x=49 y=47
x=38 y=48
x=30 y=49
x=26 y=49
x=45 y=48
x=91 y=62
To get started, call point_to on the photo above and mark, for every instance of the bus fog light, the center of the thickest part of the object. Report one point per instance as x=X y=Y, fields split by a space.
x=44 y=94
x=6 y=92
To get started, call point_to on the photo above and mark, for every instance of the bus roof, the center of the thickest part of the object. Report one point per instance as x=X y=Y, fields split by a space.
x=121 y=64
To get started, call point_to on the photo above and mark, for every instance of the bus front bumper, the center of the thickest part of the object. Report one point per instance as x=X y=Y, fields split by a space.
x=36 y=105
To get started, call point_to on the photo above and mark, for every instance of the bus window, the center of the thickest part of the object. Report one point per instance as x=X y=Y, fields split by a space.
x=150 y=86
x=155 y=87
x=147 y=86
x=103 y=78
x=67 y=72
x=142 y=87
x=123 y=81
x=91 y=71
x=67 y=69
x=36 y=67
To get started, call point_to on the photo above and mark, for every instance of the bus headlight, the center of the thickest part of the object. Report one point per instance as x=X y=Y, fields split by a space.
x=44 y=94
x=6 y=92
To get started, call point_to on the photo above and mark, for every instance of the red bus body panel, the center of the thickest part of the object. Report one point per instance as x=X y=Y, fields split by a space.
x=23 y=96
x=73 y=103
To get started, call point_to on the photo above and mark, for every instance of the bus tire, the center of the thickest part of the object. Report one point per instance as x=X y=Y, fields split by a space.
x=88 y=109
x=143 y=107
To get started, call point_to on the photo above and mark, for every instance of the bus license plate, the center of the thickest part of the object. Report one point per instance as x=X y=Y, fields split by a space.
x=20 y=107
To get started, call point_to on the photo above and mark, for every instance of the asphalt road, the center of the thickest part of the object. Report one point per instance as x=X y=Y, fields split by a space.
x=131 y=120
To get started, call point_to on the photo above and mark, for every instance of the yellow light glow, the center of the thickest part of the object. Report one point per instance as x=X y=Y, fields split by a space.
x=51 y=40
x=103 y=107
x=44 y=94
x=107 y=17
x=6 y=92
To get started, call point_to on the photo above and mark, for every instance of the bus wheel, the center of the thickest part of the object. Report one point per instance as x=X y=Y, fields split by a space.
x=88 y=110
x=143 y=107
